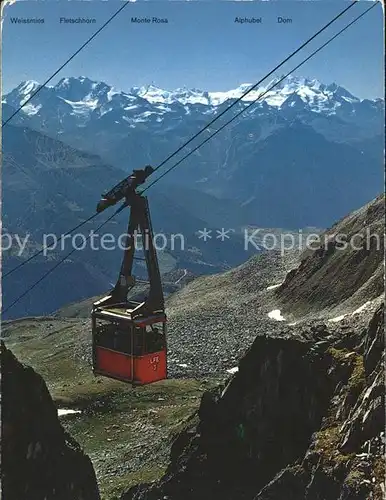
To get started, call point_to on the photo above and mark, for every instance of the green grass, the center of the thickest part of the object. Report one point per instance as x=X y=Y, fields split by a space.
x=127 y=432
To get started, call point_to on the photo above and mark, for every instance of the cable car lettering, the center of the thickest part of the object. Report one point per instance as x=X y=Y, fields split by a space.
x=154 y=361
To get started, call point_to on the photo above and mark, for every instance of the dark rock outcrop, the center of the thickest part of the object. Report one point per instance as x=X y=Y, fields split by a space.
x=345 y=459
x=301 y=420
x=40 y=460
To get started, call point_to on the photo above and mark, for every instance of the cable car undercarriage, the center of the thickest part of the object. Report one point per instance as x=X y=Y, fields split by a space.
x=129 y=335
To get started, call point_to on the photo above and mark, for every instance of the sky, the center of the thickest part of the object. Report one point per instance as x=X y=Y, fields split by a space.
x=201 y=46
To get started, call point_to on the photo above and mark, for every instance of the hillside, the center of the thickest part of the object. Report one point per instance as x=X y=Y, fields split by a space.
x=257 y=406
x=214 y=319
x=303 y=415
x=299 y=420
x=338 y=277
x=48 y=188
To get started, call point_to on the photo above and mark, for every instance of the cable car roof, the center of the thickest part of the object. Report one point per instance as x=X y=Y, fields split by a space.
x=126 y=315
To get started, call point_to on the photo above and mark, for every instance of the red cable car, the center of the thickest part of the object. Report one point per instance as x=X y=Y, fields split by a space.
x=129 y=335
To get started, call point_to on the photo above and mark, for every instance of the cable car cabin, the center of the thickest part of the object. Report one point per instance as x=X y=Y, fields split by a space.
x=127 y=349
x=129 y=336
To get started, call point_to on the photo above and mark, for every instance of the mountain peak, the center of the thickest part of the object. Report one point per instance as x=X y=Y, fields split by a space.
x=27 y=87
x=339 y=91
x=76 y=80
x=80 y=88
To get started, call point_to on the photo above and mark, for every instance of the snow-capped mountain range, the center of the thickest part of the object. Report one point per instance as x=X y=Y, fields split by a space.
x=82 y=96
x=321 y=140
x=98 y=118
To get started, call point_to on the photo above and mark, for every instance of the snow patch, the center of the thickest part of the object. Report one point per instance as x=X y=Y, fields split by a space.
x=111 y=93
x=276 y=315
x=133 y=106
x=361 y=308
x=337 y=319
x=28 y=87
x=164 y=108
x=30 y=109
x=273 y=286
x=82 y=107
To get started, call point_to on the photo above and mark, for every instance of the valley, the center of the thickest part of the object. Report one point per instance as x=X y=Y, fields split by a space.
x=53 y=175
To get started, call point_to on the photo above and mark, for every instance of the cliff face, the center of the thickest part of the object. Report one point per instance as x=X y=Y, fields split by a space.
x=345 y=458
x=40 y=460
x=302 y=419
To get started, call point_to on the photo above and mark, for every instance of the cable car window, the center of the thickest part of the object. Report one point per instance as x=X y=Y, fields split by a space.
x=117 y=335
x=155 y=337
x=138 y=341
x=105 y=333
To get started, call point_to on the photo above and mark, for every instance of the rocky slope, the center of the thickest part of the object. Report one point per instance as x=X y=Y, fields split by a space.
x=335 y=275
x=303 y=416
x=300 y=420
x=214 y=319
x=40 y=460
